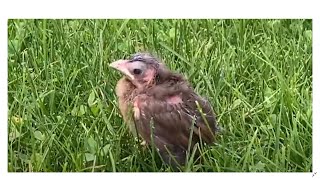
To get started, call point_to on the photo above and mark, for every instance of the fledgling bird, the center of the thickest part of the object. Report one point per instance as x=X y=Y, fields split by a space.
x=164 y=107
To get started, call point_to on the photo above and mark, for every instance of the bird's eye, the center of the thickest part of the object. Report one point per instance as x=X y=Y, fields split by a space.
x=137 y=71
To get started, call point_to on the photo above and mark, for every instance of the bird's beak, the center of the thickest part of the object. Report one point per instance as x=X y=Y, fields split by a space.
x=122 y=66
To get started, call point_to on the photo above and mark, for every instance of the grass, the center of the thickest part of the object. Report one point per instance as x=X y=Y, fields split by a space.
x=62 y=109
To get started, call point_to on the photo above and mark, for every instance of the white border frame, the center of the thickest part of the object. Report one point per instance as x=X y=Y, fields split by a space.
x=230 y=9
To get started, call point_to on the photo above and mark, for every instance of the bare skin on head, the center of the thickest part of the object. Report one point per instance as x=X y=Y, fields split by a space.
x=154 y=93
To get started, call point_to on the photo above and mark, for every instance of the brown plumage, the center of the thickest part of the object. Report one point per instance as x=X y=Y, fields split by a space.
x=162 y=107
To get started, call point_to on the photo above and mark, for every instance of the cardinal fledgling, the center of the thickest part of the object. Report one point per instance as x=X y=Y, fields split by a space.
x=164 y=107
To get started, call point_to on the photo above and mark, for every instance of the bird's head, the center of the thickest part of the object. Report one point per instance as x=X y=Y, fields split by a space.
x=141 y=69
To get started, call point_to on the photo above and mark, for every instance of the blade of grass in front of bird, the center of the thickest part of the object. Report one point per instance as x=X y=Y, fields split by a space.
x=190 y=139
x=205 y=119
x=191 y=161
x=153 y=145
x=173 y=158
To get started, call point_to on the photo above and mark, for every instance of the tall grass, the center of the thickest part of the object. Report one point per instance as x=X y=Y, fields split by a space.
x=62 y=109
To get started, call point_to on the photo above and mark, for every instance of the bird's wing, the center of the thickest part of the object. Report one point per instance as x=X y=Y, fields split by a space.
x=170 y=119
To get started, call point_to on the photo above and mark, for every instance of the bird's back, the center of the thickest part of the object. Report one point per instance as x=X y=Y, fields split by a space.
x=167 y=112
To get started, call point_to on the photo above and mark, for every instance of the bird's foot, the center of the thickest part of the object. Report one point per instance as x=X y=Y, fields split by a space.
x=144 y=144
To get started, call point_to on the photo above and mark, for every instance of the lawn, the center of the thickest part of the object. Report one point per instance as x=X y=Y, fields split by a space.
x=62 y=108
